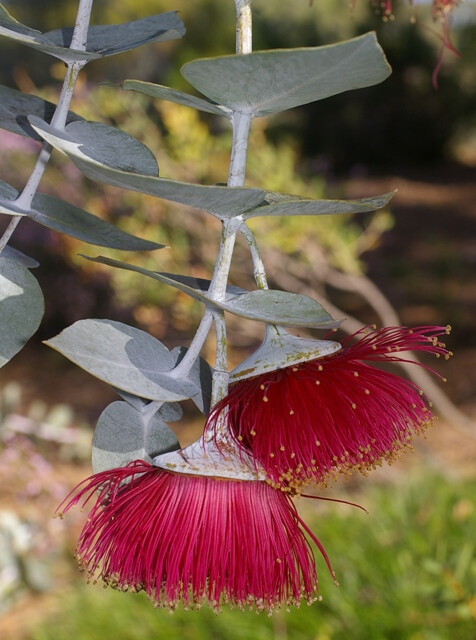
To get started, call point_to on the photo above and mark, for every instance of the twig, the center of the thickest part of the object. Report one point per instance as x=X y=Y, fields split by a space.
x=78 y=42
x=236 y=178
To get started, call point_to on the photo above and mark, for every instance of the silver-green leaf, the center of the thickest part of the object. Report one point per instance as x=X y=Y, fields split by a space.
x=103 y=40
x=266 y=82
x=196 y=288
x=125 y=357
x=110 y=39
x=15 y=106
x=123 y=434
x=281 y=308
x=61 y=216
x=301 y=207
x=19 y=257
x=222 y=202
x=21 y=307
x=114 y=148
x=274 y=307
x=178 y=97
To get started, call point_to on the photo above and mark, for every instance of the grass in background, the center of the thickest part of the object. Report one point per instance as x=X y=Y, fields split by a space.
x=407 y=571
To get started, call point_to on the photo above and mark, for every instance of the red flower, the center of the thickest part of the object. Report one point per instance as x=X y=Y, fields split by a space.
x=441 y=12
x=309 y=422
x=196 y=539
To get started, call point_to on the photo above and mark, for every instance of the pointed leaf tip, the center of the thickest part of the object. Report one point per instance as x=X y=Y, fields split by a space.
x=178 y=97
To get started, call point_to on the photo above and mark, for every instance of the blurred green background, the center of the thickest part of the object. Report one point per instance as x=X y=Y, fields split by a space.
x=407 y=570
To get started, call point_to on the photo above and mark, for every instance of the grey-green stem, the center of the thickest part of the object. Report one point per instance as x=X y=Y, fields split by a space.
x=183 y=368
x=236 y=178
x=259 y=272
x=220 y=373
x=78 y=42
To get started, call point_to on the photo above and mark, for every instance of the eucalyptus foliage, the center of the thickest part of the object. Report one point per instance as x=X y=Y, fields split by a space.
x=149 y=377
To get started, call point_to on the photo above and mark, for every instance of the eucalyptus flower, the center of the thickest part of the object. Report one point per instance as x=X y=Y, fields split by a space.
x=185 y=533
x=309 y=422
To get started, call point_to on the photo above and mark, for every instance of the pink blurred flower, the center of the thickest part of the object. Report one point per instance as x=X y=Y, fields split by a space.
x=441 y=12
x=195 y=538
x=312 y=421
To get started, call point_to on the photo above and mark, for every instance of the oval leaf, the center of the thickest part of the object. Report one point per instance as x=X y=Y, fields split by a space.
x=21 y=307
x=15 y=106
x=103 y=40
x=110 y=39
x=123 y=434
x=178 y=97
x=222 y=202
x=301 y=207
x=273 y=307
x=123 y=356
x=281 y=308
x=113 y=148
x=61 y=216
x=7 y=192
x=194 y=287
x=72 y=221
x=19 y=257
x=266 y=82
x=11 y=28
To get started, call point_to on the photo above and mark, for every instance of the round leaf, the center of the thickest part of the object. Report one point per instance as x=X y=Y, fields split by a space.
x=110 y=39
x=123 y=434
x=19 y=257
x=15 y=106
x=266 y=82
x=123 y=356
x=21 y=307
x=281 y=308
x=273 y=307
x=103 y=40
x=113 y=148
x=75 y=222
x=222 y=202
